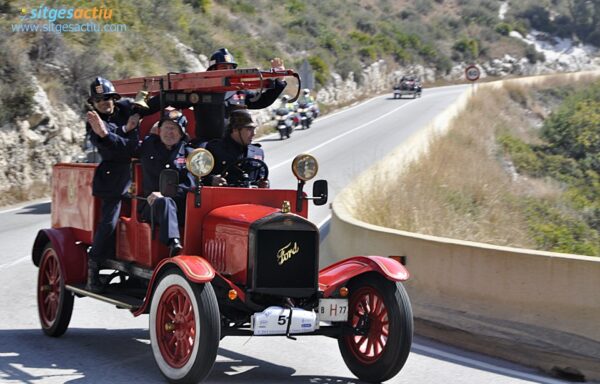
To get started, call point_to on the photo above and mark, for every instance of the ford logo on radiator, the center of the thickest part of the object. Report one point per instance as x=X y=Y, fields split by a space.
x=286 y=253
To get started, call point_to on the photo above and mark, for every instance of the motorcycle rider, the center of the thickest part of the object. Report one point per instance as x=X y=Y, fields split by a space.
x=235 y=146
x=211 y=119
x=305 y=97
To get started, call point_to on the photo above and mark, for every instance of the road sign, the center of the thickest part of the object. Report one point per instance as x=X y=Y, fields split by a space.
x=472 y=72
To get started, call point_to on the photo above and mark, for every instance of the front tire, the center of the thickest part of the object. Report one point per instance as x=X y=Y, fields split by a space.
x=380 y=310
x=184 y=328
x=55 y=304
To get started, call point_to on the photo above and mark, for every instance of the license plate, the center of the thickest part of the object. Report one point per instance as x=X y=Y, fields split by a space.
x=333 y=309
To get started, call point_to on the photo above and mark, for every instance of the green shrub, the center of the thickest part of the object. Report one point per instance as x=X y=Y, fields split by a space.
x=573 y=129
x=533 y=56
x=522 y=155
x=503 y=28
x=16 y=89
x=368 y=52
x=556 y=231
x=321 y=69
x=468 y=48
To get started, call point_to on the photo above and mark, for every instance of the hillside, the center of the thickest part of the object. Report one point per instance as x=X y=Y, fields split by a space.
x=355 y=48
x=528 y=177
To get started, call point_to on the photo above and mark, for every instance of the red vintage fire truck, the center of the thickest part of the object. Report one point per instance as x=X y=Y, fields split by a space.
x=249 y=266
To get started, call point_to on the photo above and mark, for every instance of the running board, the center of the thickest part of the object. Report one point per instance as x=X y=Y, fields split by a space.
x=106 y=299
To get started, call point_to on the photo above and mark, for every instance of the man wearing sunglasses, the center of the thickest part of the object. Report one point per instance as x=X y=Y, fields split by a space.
x=112 y=127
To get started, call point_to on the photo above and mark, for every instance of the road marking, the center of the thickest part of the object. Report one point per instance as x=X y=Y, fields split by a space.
x=486 y=366
x=25 y=206
x=15 y=262
x=345 y=134
x=274 y=134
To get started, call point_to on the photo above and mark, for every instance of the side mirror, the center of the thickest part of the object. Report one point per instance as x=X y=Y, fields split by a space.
x=169 y=179
x=320 y=192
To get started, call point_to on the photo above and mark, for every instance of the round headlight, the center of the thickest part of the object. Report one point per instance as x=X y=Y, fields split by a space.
x=305 y=167
x=200 y=162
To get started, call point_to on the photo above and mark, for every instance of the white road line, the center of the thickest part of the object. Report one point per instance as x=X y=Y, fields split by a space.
x=12 y=209
x=15 y=262
x=486 y=366
x=266 y=137
x=350 y=108
x=344 y=134
x=25 y=205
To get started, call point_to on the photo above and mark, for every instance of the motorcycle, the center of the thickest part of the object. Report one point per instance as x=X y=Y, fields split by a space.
x=305 y=114
x=284 y=122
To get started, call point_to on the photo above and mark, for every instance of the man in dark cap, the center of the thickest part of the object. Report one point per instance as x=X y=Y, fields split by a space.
x=166 y=149
x=234 y=147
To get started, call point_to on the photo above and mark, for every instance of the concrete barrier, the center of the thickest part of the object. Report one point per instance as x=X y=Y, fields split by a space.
x=537 y=308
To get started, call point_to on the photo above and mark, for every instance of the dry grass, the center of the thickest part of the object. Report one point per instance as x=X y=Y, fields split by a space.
x=19 y=194
x=464 y=188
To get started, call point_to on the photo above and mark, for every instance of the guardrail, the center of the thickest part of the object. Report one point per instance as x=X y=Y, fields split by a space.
x=540 y=309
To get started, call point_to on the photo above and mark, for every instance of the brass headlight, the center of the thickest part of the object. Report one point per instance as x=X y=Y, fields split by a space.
x=200 y=162
x=305 y=166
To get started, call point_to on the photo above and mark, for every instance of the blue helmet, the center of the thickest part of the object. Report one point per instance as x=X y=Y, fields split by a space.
x=221 y=56
x=101 y=87
x=176 y=116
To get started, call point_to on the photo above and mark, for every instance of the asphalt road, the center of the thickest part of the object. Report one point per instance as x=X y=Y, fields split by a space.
x=104 y=344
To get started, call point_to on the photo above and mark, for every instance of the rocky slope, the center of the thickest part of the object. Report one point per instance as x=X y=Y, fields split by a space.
x=54 y=130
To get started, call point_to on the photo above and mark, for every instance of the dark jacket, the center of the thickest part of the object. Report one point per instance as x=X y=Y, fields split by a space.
x=113 y=176
x=212 y=119
x=226 y=151
x=155 y=157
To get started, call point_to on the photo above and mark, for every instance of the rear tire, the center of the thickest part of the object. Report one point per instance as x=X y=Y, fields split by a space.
x=55 y=303
x=381 y=310
x=184 y=328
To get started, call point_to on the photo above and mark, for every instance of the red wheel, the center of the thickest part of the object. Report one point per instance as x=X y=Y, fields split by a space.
x=381 y=316
x=184 y=328
x=55 y=304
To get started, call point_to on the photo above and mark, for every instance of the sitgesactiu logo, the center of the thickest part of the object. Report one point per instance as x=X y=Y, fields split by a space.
x=52 y=14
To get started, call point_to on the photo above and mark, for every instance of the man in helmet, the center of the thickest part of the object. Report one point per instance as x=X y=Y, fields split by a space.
x=112 y=127
x=166 y=149
x=211 y=119
x=307 y=99
x=237 y=145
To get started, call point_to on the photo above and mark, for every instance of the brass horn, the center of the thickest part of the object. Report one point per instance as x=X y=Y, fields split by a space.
x=140 y=99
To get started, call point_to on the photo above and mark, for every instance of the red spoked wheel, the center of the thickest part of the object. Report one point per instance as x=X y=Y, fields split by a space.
x=184 y=328
x=381 y=317
x=55 y=304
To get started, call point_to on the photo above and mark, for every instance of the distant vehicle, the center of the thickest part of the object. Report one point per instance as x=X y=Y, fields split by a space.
x=284 y=119
x=409 y=85
x=305 y=113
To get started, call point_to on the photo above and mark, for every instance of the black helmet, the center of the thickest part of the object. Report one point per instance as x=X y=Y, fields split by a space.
x=102 y=87
x=241 y=118
x=176 y=116
x=221 y=56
